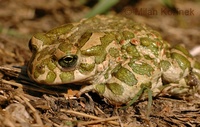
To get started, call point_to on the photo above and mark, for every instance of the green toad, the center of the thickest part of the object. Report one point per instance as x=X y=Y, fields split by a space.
x=113 y=56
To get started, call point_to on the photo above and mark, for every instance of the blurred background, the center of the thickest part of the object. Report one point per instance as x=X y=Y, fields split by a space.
x=176 y=20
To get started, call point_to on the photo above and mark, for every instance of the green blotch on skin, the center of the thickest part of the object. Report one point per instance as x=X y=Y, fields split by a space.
x=84 y=67
x=42 y=37
x=153 y=48
x=165 y=65
x=115 y=88
x=108 y=72
x=84 y=38
x=106 y=75
x=94 y=51
x=197 y=65
x=66 y=76
x=60 y=30
x=51 y=76
x=181 y=60
x=45 y=61
x=113 y=52
x=132 y=51
x=43 y=53
x=150 y=44
x=116 y=68
x=107 y=39
x=97 y=51
x=142 y=69
x=145 y=41
x=51 y=65
x=183 y=50
x=66 y=46
x=128 y=35
x=36 y=74
x=100 y=88
x=99 y=59
x=125 y=76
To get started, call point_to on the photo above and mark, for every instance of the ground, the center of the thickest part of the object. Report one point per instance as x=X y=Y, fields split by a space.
x=23 y=103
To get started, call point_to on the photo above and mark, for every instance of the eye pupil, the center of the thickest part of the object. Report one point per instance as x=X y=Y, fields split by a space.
x=68 y=61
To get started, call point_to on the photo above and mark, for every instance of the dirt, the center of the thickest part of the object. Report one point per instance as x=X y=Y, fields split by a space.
x=24 y=103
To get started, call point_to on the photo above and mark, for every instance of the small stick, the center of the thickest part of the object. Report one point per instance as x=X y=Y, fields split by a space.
x=99 y=121
x=89 y=116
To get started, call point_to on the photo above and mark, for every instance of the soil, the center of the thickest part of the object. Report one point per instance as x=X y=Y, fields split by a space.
x=24 y=103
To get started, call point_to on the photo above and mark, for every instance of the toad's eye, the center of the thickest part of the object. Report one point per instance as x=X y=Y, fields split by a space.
x=68 y=61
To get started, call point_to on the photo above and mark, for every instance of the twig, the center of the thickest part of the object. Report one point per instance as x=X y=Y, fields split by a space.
x=12 y=83
x=91 y=116
x=98 y=121
x=37 y=117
